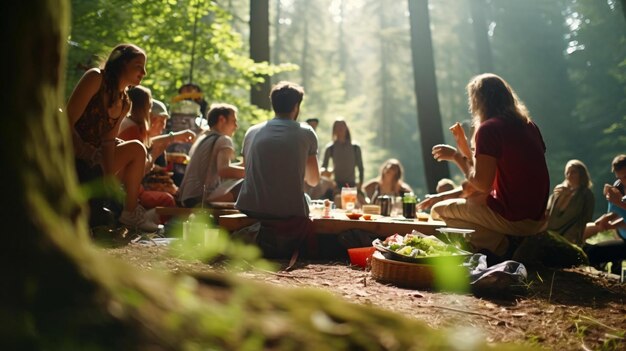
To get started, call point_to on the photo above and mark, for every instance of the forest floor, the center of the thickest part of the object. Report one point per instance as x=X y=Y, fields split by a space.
x=568 y=309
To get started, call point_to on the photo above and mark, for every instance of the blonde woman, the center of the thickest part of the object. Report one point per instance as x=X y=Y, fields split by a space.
x=389 y=181
x=507 y=183
x=570 y=206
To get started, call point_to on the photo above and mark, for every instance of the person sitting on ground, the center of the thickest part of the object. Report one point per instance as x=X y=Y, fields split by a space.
x=570 y=206
x=210 y=177
x=279 y=156
x=345 y=156
x=610 y=250
x=159 y=141
x=445 y=184
x=136 y=127
x=95 y=109
x=389 y=181
x=496 y=199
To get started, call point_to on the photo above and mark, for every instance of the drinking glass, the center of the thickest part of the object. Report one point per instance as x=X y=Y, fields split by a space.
x=348 y=198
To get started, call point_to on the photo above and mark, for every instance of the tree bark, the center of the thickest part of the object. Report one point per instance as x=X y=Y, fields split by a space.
x=260 y=50
x=428 y=113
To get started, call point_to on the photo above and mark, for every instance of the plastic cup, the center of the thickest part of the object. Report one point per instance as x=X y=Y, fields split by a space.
x=359 y=255
x=348 y=198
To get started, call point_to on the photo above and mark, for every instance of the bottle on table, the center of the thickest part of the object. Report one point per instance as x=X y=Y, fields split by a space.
x=409 y=201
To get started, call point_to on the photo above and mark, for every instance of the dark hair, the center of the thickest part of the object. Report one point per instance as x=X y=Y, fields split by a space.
x=114 y=67
x=218 y=110
x=491 y=96
x=189 y=85
x=285 y=96
x=619 y=162
x=309 y=120
x=335 y=124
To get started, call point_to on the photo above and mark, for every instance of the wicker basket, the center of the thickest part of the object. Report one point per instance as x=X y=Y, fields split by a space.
x=402 y=274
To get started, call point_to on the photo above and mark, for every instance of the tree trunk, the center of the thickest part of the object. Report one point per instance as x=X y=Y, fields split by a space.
x=304 y=57
x=428 y=114
x=53 y=284
x=260 y=50
x=384 y=120
x=277 y=41
x=481 y=37
x=343 y=52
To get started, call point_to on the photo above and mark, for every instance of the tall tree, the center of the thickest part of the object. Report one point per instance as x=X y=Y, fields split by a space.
x=277 y=40
x=260 y=50
x=305 y=67
x=483 y=48
x=428 y=114
x=384 y=132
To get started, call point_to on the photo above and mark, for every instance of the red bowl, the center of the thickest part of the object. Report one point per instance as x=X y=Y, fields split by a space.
x=354 y=215
x=359 y=255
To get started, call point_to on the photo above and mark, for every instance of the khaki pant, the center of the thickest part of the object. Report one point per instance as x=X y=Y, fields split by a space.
x=490 y=228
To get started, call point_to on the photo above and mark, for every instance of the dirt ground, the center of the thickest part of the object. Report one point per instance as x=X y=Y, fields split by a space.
x=569 y=309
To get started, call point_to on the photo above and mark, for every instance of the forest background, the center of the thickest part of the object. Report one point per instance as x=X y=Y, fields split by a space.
x=565 y=58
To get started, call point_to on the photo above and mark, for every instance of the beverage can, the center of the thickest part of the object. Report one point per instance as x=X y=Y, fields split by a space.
x=385 y=205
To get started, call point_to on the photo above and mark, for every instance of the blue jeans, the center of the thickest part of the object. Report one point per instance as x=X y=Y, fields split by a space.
x=621 y=212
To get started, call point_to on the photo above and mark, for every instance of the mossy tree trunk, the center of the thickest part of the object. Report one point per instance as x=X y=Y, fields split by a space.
x=59 y=291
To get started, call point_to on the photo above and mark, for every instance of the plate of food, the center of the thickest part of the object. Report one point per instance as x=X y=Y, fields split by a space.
x=416 y=247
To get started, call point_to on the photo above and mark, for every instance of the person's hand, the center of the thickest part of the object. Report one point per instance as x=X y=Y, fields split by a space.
x=427 y=203
x=612 y=194
x=443 y=152
x=326 y=173
x=603 y=222
x=560 y=189
x=185 y=136
x=461 y=140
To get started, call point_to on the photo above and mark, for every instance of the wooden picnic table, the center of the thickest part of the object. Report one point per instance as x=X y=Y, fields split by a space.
x=383 y=226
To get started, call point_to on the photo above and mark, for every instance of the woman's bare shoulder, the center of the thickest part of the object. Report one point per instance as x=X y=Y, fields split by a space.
x=91 y=79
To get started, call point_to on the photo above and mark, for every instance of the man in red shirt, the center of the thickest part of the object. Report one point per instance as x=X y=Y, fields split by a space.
x=507 y=182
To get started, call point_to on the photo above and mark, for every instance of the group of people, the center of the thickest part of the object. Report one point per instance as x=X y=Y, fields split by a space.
x=117 y=129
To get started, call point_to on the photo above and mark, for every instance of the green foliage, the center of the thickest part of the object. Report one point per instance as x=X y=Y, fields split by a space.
x=201 y=239
x=213 y=56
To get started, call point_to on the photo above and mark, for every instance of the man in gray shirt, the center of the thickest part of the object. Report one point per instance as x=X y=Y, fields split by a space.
x=279 y=156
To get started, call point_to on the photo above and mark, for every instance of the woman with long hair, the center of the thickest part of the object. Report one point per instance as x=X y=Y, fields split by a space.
x=507 y=183
x=345 y=155
x=570 y=206
x=95 y=109
x=388 y=182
